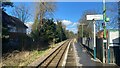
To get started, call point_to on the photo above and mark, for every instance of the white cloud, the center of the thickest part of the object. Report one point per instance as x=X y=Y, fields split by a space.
x=74 y=24
x=55 y=22
x=66 y=22
x=29 y=25
x=72 y=29
x=70 y=25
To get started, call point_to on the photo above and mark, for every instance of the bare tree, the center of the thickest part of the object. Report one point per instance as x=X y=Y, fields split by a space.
x=22 y=12
x=88 y=25
x=43 y=9
x=113 y=15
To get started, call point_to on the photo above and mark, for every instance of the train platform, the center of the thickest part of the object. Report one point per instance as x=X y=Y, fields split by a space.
x=83 y=59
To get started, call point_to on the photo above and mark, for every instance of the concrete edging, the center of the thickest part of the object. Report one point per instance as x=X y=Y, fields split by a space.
x=66 y=53
x=75 y=54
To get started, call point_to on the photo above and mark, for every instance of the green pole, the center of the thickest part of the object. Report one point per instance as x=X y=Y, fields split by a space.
x=104 y=28
x=104 y=17
x=105 y=53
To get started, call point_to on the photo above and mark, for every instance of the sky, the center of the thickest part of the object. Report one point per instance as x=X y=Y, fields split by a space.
x=71 y=12
x=68 y=12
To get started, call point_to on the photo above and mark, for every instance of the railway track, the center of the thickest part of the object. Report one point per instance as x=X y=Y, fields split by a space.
x=56 y=58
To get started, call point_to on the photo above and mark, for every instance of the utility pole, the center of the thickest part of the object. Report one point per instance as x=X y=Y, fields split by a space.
x=82 y=30
x=82 y=24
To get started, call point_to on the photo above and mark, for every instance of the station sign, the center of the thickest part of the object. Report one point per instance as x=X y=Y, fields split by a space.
x=94 y=17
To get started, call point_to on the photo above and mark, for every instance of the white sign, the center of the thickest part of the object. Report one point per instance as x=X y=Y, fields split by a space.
x=95 y=17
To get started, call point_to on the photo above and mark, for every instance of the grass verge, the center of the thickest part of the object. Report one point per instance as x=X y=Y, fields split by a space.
x=25 y=57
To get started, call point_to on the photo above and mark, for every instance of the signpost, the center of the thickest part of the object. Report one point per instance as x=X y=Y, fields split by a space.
x=93 y=18
x=105 y=19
